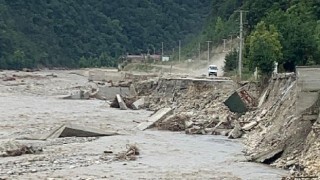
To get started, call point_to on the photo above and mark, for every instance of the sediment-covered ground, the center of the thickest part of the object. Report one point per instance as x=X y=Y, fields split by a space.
x=31 y=105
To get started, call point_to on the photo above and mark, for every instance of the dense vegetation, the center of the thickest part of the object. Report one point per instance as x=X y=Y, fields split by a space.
x=78 y=33
x=276 y=30
x=73 y=33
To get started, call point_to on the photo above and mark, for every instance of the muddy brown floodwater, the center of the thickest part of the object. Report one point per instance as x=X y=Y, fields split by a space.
x=163 y=155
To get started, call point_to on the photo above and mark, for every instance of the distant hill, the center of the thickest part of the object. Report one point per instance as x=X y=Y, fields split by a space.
x=75 y=33
x=93 y=33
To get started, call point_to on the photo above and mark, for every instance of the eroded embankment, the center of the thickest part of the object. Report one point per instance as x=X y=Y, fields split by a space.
x=198 y=104
x=165 y=155
x=282 y=131
x=285 y=135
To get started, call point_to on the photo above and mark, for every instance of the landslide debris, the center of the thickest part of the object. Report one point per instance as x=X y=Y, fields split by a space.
x=274 y=132
x=281 y=136
x=130 y=154
x=14 y=148
x=198 y=104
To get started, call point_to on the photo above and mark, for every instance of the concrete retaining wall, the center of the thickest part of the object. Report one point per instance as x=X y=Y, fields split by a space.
x=308 y=85
x=105 y=75
x=110 y=92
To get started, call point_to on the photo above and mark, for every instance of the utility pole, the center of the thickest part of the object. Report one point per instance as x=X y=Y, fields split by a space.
x=209 y=51
x=231 y=42
x=199 y=51
x=161 y=49
x=224 y=45
x=241 y=43
x=179 y=50
x=172 y=53
x=154 y=53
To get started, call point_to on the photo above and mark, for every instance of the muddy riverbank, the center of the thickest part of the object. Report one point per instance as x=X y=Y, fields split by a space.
x=163 y=155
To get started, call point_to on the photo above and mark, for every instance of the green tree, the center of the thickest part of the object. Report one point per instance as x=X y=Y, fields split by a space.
x=219 y=28
x=106 y=60
x=297 y=29
x=18 y=59
x=231 y=61
x=264 y=48
x=83 y=62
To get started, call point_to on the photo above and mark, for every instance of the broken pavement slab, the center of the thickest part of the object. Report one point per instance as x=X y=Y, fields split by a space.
x=132 y=90
x=249 y=126
x=236 y=104
x=138 y=104
x=122 y=104
x=158 y=116
x=14 y=148
x=236 y=132
x=78 y=95
x=71 y=130
x=78 y=131
x=267 y=155
x=110 y=92
x=240 y=101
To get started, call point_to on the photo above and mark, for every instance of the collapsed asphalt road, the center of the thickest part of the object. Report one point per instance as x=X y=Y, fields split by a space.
x=163 y=154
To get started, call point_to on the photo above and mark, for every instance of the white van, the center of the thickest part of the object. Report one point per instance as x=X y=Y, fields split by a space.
x=213 y=70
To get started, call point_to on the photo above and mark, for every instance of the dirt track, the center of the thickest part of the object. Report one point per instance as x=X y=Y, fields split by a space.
x=32 y=109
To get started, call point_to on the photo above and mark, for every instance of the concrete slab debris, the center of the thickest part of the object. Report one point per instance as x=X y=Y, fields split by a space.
x=104 y=75
x=71 y=130
x=310 y=117
x=76 y=131
x=14 y=148
x=217 y=125
x=240 y=101
x=78 y=95
x=267 y=155
x=132 y=90
x=236 y=132
x=122 y=105
x=175 y=122
x=224 y=132
x=262 y=98
x=249 y=126
x=158 y=116
x=188 y=124
x=110 y=92
x=235 y=103
x=130 y=154
x=138 y=104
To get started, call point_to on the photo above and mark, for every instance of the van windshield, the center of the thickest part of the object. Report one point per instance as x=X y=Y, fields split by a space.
x=213 y=68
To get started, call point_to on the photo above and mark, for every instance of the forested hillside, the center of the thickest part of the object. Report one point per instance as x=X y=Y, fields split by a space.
x=73 y=33
x=78 y=33
x=287 y=31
